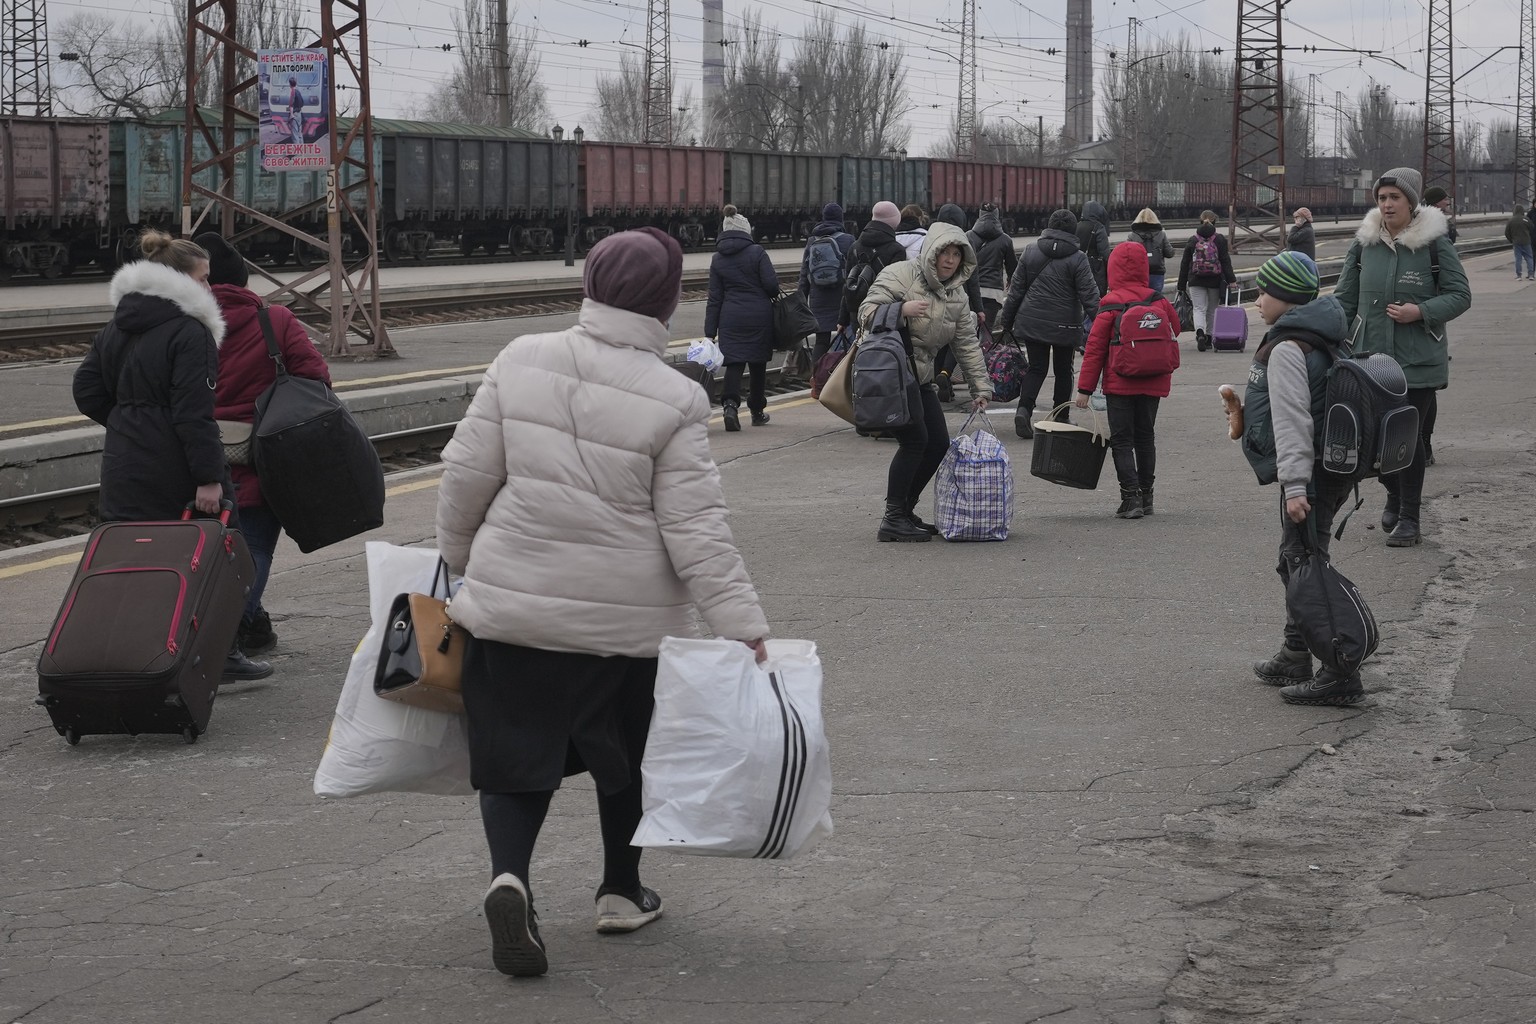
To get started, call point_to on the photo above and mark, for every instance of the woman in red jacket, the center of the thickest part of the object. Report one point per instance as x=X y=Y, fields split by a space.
x=1135 y=376
x=245 y=371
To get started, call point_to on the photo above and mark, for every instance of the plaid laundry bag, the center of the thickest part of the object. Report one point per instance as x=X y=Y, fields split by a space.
x=973 y=490
x=1006 y=365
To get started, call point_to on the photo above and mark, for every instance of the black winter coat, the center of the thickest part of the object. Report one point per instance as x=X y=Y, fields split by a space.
x=1155 y=240
x=1051 y=289
x=995 y=255
x=825 y=301
x=742 y=286
x=149 y=380
x=1093 y=240
x=1302 y=239
x=878 y=239
x=1222 y=280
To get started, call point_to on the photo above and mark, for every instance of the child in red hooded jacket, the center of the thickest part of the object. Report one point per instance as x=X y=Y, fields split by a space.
x=1132 y=400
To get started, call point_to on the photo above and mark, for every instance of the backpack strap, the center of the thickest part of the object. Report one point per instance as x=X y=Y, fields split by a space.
x=264 y=315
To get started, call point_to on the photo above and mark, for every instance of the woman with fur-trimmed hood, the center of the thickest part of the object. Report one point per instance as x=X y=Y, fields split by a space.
x=149 y=380
x=936 y=311
x=1402 y=283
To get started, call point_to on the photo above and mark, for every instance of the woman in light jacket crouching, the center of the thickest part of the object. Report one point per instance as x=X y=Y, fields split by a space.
x=935 y=312
x=583 y=507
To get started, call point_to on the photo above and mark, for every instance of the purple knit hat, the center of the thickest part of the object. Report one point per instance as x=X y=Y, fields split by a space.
x=639 y=270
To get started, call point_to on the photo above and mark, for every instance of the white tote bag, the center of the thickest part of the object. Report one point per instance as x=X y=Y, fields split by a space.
x=736 y=761
x=383 y=746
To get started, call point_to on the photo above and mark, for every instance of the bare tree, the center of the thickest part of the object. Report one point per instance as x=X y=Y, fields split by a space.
x=470 y=95
x=758 y=107
x=118 y=73
x=620 y=112
x=1381 y=133
x=1007 y=142
x=1500 y=150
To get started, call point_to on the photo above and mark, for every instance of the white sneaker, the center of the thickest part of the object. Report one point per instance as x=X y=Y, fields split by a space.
x=516 y=948
x=618 y=912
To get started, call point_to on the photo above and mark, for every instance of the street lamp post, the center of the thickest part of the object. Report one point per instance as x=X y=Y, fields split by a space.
x=571 y=220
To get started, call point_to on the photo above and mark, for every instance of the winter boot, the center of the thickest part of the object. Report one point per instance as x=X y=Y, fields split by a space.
x=255 y=635
x=1405 y=534
x=945 y=385
x=1285 y=668
x=1021 y=424
x=1202 y=340
x=1146 y=501
x=732 y=422
x=928 y=528
x=897 y=527
x=1330 y=687
x=1389 y=514
x=1130 y=504
x=759 y=417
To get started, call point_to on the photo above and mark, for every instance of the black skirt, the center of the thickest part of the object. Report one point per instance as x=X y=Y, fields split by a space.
x=537 y=716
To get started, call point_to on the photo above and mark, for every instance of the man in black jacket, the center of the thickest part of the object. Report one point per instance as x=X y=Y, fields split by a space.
x=1051 y=292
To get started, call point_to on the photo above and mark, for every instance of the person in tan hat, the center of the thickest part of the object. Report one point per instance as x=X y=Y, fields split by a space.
x=1301 y=237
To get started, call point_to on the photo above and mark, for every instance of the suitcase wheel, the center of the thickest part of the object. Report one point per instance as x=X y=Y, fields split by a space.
x=189 y=734
x=71 y=736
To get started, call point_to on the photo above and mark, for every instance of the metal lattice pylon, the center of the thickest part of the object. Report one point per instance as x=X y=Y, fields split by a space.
x=26 y=85
x=1130 y=86
x=658 y=73
x=1439 y=162
x=347 y=293
x=1525 y=111
x=965 y=115
x=1257 y=212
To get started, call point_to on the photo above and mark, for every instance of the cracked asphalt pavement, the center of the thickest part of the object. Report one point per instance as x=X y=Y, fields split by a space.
x=1059 y=792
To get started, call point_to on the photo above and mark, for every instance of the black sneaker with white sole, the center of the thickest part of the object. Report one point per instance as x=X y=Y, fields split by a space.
x=626 y=911
x=516 y=948
x=1328 y=687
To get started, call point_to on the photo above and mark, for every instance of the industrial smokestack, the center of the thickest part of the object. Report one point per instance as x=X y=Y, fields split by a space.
x=714 y=60
x=1079 y=120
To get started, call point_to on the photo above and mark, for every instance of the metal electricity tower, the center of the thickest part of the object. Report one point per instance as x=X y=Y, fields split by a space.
x=221 y=148
x=1132 y=98
x=502 y=63
x=965 y=117
x=1338 y=132
x=1258 y=128
x=1439 y=163
x=1525 y=111
x=658 y=72
x=26 y=87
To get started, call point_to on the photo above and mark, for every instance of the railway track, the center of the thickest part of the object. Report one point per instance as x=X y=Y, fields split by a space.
x=36 y=519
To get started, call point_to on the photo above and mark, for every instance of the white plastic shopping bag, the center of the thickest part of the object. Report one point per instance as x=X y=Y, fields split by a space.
x=736 y=763
x=706 y=353
x=973 y=488
x=383 y=746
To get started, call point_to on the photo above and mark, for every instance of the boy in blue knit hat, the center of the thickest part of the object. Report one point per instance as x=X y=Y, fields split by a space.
x=1282 y=422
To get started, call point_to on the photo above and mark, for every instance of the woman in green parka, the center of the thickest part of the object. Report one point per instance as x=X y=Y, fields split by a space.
x=1402 y=284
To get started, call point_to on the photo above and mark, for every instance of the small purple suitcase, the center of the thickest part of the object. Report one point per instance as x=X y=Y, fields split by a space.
x=1229 y=330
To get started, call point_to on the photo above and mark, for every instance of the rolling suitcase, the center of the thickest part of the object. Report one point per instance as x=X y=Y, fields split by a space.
x=1229 y=330
x=140 y=640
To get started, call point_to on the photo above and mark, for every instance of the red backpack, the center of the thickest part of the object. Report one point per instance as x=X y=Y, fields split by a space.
x=1143 y=341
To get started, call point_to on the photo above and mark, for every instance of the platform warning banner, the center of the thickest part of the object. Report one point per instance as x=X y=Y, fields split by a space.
x=295 y=121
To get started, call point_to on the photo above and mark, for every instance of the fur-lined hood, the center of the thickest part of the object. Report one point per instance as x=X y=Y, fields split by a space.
x=160 y=281
x=1428 y=224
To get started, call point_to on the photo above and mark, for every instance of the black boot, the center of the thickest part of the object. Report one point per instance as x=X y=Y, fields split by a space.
x=240 y=669
x=759 y=417
x=1021 y=424
x=917 y=521
x=1288 y=666
x=897 y=527
x=1202 y=341
x=256 y=635
x=1130 y=504
x=732 y=422
x=1146 y=501
x=1389 y=514
x=945 y=385
x=1405 y=534
x=1329 y=687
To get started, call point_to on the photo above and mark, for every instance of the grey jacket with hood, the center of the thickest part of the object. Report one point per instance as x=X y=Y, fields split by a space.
x=995 y=256
x=1051 y=290
x=1293 y=381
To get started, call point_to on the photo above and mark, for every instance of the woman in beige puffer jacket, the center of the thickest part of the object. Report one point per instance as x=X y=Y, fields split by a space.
x=580 y=502
x=936 y=312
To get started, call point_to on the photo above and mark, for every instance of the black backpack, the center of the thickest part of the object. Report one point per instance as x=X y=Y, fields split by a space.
x=861 y=274
x=1369 y=429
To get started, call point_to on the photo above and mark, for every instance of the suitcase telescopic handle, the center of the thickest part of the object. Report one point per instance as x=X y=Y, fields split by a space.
x=226 y=509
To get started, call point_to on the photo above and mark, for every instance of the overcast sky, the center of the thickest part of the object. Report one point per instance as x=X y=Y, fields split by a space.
x=1015 y=77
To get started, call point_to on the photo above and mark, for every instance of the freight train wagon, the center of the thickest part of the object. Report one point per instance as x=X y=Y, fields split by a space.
x=55 y=191
x=678 y=189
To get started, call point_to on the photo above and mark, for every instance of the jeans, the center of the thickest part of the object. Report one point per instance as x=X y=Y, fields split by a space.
x=1206 y=301
x=1523 y=255
x=261 y=530
x=1132 y=439
x=1326 y=495
x=1406 y=487
x=730 y=390
x=1041 y=356
x=1156 y=282
x=921 y=446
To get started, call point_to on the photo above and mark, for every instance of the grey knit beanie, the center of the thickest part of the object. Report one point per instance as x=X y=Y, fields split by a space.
x=1407 y=181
